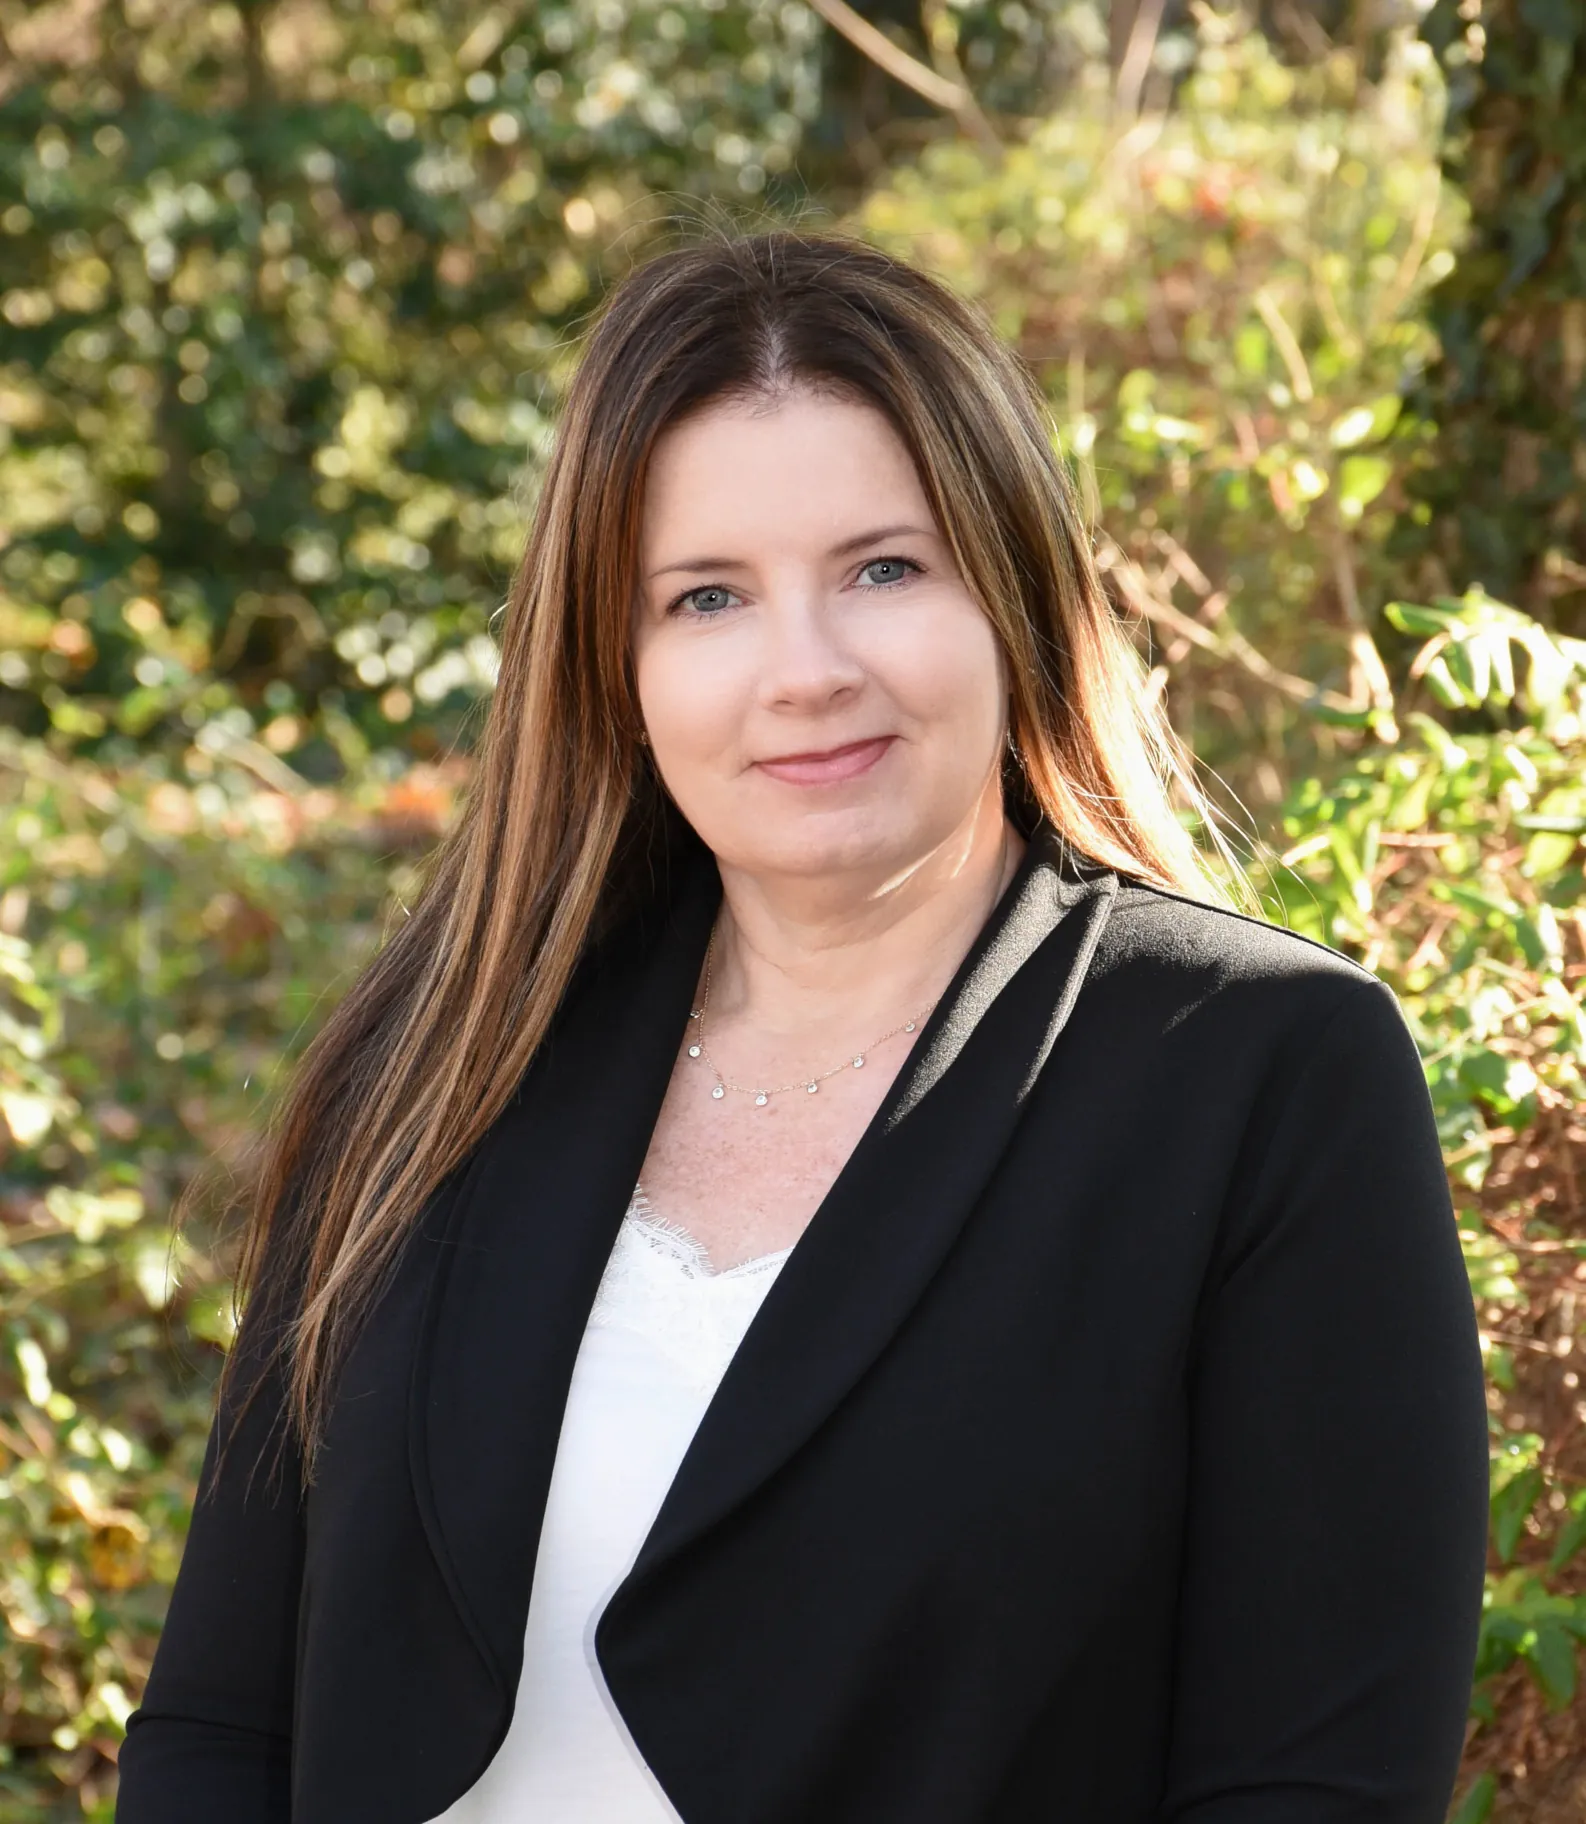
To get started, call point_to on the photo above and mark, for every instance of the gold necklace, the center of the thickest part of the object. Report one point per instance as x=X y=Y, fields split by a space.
x=696 y=1049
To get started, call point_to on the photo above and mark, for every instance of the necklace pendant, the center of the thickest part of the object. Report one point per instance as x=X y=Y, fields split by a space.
x=693 y=1051
x=761 y=1099
x=812 y=1087
x=909 y=1027
x=718 y=1092
x=859 y=1062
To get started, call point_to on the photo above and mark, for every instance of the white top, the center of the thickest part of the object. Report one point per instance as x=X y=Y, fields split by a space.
x=660 y=1335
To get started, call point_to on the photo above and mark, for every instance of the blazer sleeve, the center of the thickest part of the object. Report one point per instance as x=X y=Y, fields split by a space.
x=1335 y=1535
x=212 y=1737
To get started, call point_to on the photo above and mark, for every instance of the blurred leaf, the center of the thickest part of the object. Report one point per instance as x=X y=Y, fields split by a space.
x=1476 y=1806
x=1361 y=479
x=1572 y=1535
x=1552 y=1657
x=1510 y=1506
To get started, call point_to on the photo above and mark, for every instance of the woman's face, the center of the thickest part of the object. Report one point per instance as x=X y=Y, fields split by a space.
x=821 y=691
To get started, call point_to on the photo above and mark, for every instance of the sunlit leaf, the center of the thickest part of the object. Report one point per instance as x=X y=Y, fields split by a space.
x=1361 y=479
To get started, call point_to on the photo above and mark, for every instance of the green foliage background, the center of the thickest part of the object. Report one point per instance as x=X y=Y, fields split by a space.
x=288 y=295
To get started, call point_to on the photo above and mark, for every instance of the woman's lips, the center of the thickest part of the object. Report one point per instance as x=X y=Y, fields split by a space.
x=830 y=766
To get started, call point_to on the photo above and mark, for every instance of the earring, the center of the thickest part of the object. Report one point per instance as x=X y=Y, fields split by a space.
x=644 y=739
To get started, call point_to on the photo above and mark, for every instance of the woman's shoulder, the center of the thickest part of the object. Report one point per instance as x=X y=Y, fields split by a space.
x=1189 y=950
x=1245 y=1002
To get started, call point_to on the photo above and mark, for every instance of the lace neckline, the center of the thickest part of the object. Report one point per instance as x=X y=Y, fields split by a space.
x=659 y=1285
x=672 y=1239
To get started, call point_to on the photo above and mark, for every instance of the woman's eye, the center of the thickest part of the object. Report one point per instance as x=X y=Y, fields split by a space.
x=708 y=600
x=899 y=567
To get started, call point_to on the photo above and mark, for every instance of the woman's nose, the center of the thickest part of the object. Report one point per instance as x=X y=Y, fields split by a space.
x=805 y=660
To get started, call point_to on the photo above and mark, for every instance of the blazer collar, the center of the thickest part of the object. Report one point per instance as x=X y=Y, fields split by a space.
x=540 y=1206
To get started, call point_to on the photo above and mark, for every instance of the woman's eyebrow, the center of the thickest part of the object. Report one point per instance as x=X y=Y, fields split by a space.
x=859 y=539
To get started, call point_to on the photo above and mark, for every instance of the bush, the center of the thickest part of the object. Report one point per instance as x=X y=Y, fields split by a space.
x=1450 y=862
x=164 y=947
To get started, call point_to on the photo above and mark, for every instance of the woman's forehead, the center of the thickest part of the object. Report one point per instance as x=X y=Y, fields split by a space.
x=809 y=462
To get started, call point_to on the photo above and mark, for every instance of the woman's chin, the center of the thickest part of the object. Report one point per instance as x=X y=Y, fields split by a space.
x=830 y=844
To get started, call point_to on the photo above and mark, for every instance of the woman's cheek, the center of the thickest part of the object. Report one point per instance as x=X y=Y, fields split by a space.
x=941 y=665
x=694 y=701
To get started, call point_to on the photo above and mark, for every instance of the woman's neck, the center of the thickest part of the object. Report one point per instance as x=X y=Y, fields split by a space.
x=799 y=957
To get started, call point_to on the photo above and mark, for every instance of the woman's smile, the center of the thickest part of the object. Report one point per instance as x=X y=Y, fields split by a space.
x=828 y=766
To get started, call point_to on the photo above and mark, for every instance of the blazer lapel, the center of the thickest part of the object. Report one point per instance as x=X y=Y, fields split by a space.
x=527 y=1237
x=894 y=1210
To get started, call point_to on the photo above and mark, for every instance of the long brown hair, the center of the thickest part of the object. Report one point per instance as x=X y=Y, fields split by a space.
x=422 y=1054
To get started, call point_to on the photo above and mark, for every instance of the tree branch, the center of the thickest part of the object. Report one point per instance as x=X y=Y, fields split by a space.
x=1226 y=643
x=954 y=97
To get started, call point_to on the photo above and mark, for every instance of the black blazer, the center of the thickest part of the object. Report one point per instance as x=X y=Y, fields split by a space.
x=1112 y=1447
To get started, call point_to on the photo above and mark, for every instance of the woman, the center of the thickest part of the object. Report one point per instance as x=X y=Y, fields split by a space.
x=815 y=1278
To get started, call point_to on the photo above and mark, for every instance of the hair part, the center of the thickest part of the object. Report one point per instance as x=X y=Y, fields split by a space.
x=564 y=816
